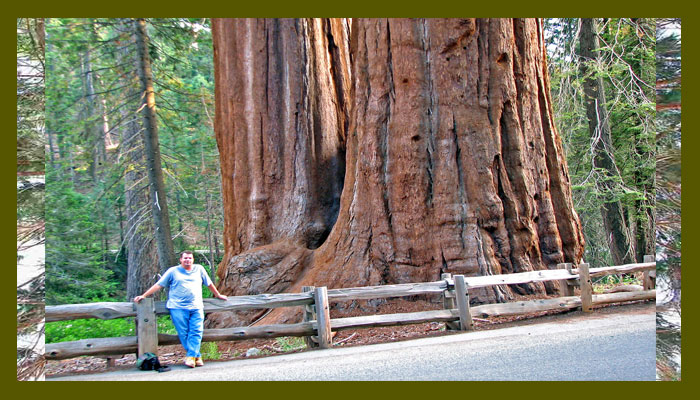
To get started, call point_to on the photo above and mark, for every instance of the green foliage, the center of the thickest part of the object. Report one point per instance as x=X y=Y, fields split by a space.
x=609 y=281
x=210 y=351
x=30 y=95
x=165 y=325
x=74 y=261
x=626 y=65
x=290 y=343
x=30 y=203
x=91 y=86
x=64 y=331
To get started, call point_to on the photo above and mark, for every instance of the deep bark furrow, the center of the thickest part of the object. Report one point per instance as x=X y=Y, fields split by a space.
x=266 y=78
x=567 y=222
x=384 y=138
x=462 y=193
x=433 y=112
x=339 y=65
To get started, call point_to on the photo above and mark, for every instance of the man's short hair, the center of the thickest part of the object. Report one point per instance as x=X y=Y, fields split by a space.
x=186 y=252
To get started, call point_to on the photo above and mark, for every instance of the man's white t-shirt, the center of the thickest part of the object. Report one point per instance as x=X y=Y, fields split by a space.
x=185 y=286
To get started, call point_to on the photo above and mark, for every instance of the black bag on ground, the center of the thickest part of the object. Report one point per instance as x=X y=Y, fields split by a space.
x=149 y=362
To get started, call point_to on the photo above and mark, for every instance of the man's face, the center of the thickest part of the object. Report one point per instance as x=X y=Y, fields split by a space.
x=186 y=260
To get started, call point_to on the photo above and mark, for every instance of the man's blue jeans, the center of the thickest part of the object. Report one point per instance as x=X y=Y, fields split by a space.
x=189 y=325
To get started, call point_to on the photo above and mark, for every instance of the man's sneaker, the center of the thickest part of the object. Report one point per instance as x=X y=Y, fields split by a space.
x=189 y=361
x=199 y=362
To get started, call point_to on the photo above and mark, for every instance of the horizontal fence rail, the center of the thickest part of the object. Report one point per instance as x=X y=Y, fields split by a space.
x=108 y=310
x=128 y=309
x=457 y=313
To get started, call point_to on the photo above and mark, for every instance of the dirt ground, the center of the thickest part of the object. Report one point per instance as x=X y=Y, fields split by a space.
x=169 y=355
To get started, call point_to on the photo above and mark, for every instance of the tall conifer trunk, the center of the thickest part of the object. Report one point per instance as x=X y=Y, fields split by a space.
x=159 y=204
x=142 y=265
x=598 y=124
x=142 y=258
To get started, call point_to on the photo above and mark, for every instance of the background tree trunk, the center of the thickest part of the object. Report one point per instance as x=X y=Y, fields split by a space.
x=142 y=258
x=159 y=204
x=599 y=127
x=453 y=162
x=92 y=134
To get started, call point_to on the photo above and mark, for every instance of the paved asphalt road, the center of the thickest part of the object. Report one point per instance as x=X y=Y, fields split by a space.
x=592 y=347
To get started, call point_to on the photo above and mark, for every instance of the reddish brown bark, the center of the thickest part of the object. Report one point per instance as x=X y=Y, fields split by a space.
x=280 y=123
x=453 y=164
x=281 y=117
x=668 y=106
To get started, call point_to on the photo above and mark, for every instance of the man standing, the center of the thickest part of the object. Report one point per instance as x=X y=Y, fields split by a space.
x=185 y=303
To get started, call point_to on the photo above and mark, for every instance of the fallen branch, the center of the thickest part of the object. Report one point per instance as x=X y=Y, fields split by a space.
x=345 y=340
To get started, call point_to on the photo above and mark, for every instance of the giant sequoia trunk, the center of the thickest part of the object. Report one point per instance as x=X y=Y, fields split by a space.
x=281 y=118
x=453 y=163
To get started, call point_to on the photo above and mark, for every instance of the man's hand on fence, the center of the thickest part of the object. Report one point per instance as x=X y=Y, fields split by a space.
x=222 y=297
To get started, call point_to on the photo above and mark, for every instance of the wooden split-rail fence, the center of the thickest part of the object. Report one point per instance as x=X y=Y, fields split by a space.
x=317 y=325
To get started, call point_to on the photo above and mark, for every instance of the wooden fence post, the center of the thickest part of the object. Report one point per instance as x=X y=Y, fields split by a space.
x=465 y=316
x=586 y=288
x=566 y=286
x=323 y=317
x=146 y=326
x=448 y=302
x=309 y=315
x=649 y=279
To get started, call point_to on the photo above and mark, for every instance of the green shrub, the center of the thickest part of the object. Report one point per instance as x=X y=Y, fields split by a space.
x=210 y=351
x=64 y=331
x=165 y=325
x=290 y=343
x=609 y=281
